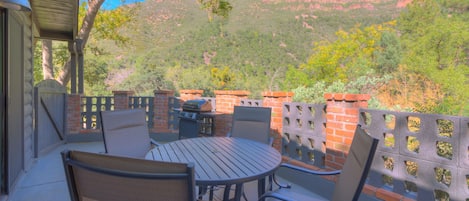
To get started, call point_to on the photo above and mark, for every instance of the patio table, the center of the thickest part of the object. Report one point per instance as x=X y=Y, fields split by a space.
x=222 y=160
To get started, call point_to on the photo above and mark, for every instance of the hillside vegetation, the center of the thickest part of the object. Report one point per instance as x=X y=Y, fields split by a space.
x=258 y=37
x=411 y=57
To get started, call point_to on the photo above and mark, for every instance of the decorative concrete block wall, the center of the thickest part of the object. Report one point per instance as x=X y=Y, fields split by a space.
x=275 y=101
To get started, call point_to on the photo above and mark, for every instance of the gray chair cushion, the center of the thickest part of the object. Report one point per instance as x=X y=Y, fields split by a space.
x=352 y=176
x=252 y=123
x=92 y=176
x=126 y=132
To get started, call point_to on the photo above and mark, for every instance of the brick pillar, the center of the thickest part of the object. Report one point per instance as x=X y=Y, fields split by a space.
x=275 y=101
x=161 y=111
x=121 y=99
x=190 y=94
x=225 y=102
x=342 y=119
x=73 y=113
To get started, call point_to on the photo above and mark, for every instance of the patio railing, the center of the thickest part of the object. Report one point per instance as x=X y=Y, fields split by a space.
x=420 y=156
x=93 y=105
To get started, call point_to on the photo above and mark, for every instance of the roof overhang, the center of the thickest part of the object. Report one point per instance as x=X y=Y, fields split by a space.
x=55 y=19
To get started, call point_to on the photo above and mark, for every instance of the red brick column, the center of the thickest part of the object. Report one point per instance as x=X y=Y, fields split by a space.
x=342 y=119
x=190 y=94
x=225 y=102
x=275 y=101
x=121 y=99
x=161 y=111
x=74 y=114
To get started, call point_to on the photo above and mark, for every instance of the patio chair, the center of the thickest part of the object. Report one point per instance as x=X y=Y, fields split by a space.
x=351 y=179
x=93 y=176
x=252 y=123
x=125 y=133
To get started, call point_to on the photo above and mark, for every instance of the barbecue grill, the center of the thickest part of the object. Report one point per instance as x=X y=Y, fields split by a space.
x=197 y=106
x=196 y=119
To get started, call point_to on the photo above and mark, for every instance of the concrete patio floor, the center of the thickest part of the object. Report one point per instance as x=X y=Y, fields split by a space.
x=45 y=181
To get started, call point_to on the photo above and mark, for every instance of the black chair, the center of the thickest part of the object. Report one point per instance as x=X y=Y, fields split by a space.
x=92 y=176
x=351 y=179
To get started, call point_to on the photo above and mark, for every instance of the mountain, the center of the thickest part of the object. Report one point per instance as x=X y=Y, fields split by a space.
x=268 y=34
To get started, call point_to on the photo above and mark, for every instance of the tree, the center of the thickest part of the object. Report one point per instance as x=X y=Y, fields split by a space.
x=438 y=50
x=348 y=57
x=83 y=34
x=47 y=69
x=389 y=55
x=54 y=55
x=107 y=25
x=223 y=78
x=220 y=8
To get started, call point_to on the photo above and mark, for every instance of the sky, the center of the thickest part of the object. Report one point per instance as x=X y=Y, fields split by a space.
x=112 y=4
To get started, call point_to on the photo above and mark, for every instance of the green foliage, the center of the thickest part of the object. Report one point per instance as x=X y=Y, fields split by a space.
x=192 y=78
x=277 y=46
x=295 y=78
x=94 y=76
x=389 y=55
x=106 y=27
x=259 y=41
x=367 y=84
x=223 y=78
x=60 y=57
x=258 y=60
x=348 y=57
x=419 y=14
x=37 y=69
x=108 y=24
x=438 y=49
x=220 y=8
x=362 y=85
x=313 y=94
x=146 y=77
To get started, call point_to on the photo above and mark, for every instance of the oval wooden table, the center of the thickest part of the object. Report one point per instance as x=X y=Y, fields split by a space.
x=222 y=160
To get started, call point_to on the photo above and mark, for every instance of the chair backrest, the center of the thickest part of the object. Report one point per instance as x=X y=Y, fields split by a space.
x=92 y=176
x=125 y=132
x=252 y=123
x=356 y=167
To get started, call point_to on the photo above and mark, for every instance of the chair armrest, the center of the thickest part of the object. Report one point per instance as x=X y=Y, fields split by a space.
x=308 y=171
x=273 y=194
x=271 y=141
x=154 y=142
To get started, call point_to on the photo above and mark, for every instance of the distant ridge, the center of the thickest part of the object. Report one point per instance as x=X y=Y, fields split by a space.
x=268 y=34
